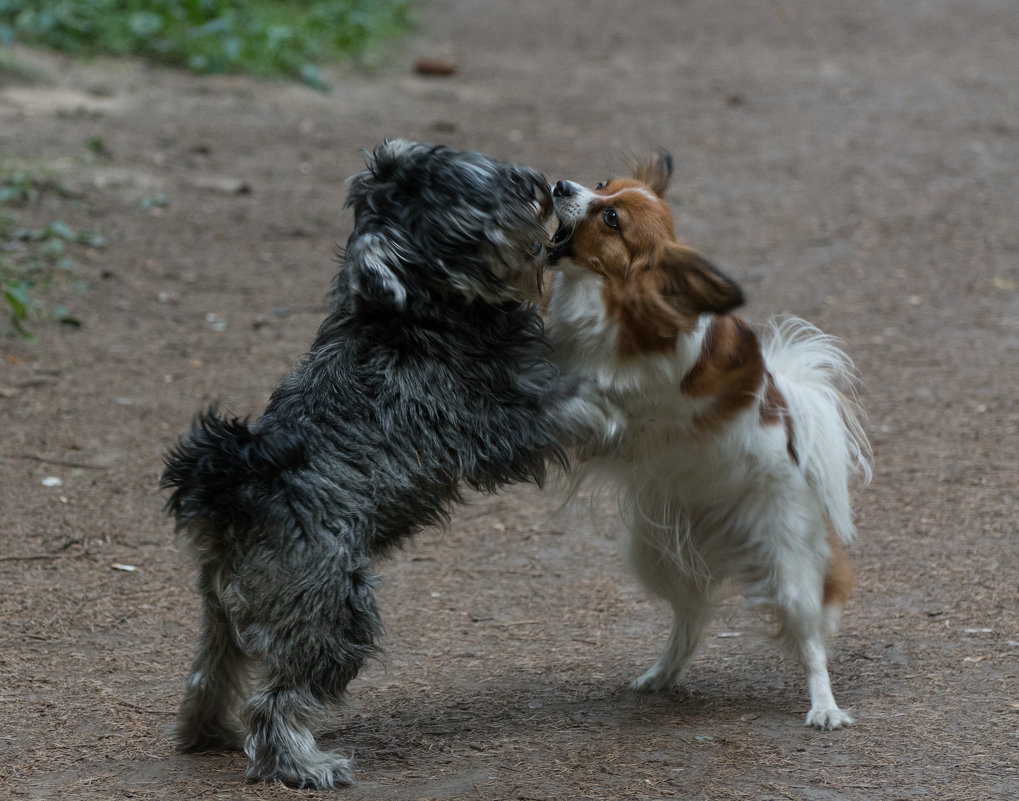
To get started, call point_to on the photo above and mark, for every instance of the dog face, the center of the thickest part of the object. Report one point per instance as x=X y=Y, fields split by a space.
x=432 y=221
x=621 y=234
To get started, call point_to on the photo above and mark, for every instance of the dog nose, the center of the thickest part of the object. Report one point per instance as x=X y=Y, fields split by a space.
x=562 y=189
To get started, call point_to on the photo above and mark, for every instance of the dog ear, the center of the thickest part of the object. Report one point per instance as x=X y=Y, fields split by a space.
x=655 y=172
x=373 y=263
x=385 y=159
x=693 y=285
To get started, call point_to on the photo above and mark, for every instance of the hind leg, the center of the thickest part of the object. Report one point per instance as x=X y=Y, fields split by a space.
x=207 y=719
x=311 y=655
x=690 y=615
x=838 y=582
x=691 y=609
x=810 y=596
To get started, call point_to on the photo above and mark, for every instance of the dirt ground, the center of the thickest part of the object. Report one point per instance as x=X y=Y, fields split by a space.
x=854 y=163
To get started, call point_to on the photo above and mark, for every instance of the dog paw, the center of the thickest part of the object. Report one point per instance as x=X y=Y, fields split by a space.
x=654 y=680
x=336 y=771
x=320 y=770
x=597 y=425
x=828 y=718
x=615 y=426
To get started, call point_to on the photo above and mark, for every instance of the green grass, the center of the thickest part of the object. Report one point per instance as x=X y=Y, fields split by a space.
x=272 y=38
x=34 y=259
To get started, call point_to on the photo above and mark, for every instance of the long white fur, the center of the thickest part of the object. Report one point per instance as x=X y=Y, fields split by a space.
x=710 y=511
x=818 y=381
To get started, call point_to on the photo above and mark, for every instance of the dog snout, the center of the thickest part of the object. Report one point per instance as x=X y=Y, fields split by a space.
x=563 y=189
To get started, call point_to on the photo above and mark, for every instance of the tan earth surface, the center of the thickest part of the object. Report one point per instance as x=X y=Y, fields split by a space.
x=853 y=163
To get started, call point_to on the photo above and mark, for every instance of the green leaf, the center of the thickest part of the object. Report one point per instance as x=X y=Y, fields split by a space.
x=145 y=24
x=53 y=247
x=16 y=295
x=62 y=230
x=311 y=76
x=92 y=238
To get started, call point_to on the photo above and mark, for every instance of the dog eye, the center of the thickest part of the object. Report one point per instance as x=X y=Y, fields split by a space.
x=611 y=218
x=601 y=185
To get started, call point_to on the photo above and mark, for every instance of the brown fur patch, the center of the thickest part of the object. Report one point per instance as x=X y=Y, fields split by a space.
x=646 y=325
x=623 y=257
x=775 y=411
x=730 y=370
x=693 y=286
x=838 y=581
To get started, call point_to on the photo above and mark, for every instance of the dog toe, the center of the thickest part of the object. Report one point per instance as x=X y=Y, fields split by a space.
x=827 y=719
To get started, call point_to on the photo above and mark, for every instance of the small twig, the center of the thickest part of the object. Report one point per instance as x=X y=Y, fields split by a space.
x=36 y=381
x=59 y=553
x=34 y=457
x=129 y=705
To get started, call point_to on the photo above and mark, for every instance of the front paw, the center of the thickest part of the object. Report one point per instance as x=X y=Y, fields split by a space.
x=597 y=424
x=828 y=718
x=614 y=425
x=308 y=768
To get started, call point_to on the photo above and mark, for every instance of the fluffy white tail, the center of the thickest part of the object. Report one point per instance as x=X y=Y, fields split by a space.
x=819 y=383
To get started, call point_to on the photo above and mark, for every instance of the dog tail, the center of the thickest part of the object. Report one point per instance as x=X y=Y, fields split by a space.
x=820 y=383
x=221 y=470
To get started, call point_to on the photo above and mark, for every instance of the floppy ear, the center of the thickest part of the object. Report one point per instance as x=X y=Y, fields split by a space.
x=655 y=172
x=374 y=265
x=693 y=285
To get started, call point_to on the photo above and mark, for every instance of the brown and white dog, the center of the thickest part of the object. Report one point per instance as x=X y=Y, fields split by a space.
x=738 y=448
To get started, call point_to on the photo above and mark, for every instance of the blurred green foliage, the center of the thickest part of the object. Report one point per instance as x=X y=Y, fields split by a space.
x=262 y=37
x=33 y=259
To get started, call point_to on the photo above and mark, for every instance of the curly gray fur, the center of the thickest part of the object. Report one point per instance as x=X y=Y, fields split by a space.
x=429 y=374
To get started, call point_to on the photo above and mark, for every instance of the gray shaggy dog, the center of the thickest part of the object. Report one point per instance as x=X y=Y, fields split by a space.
x=430 y=373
